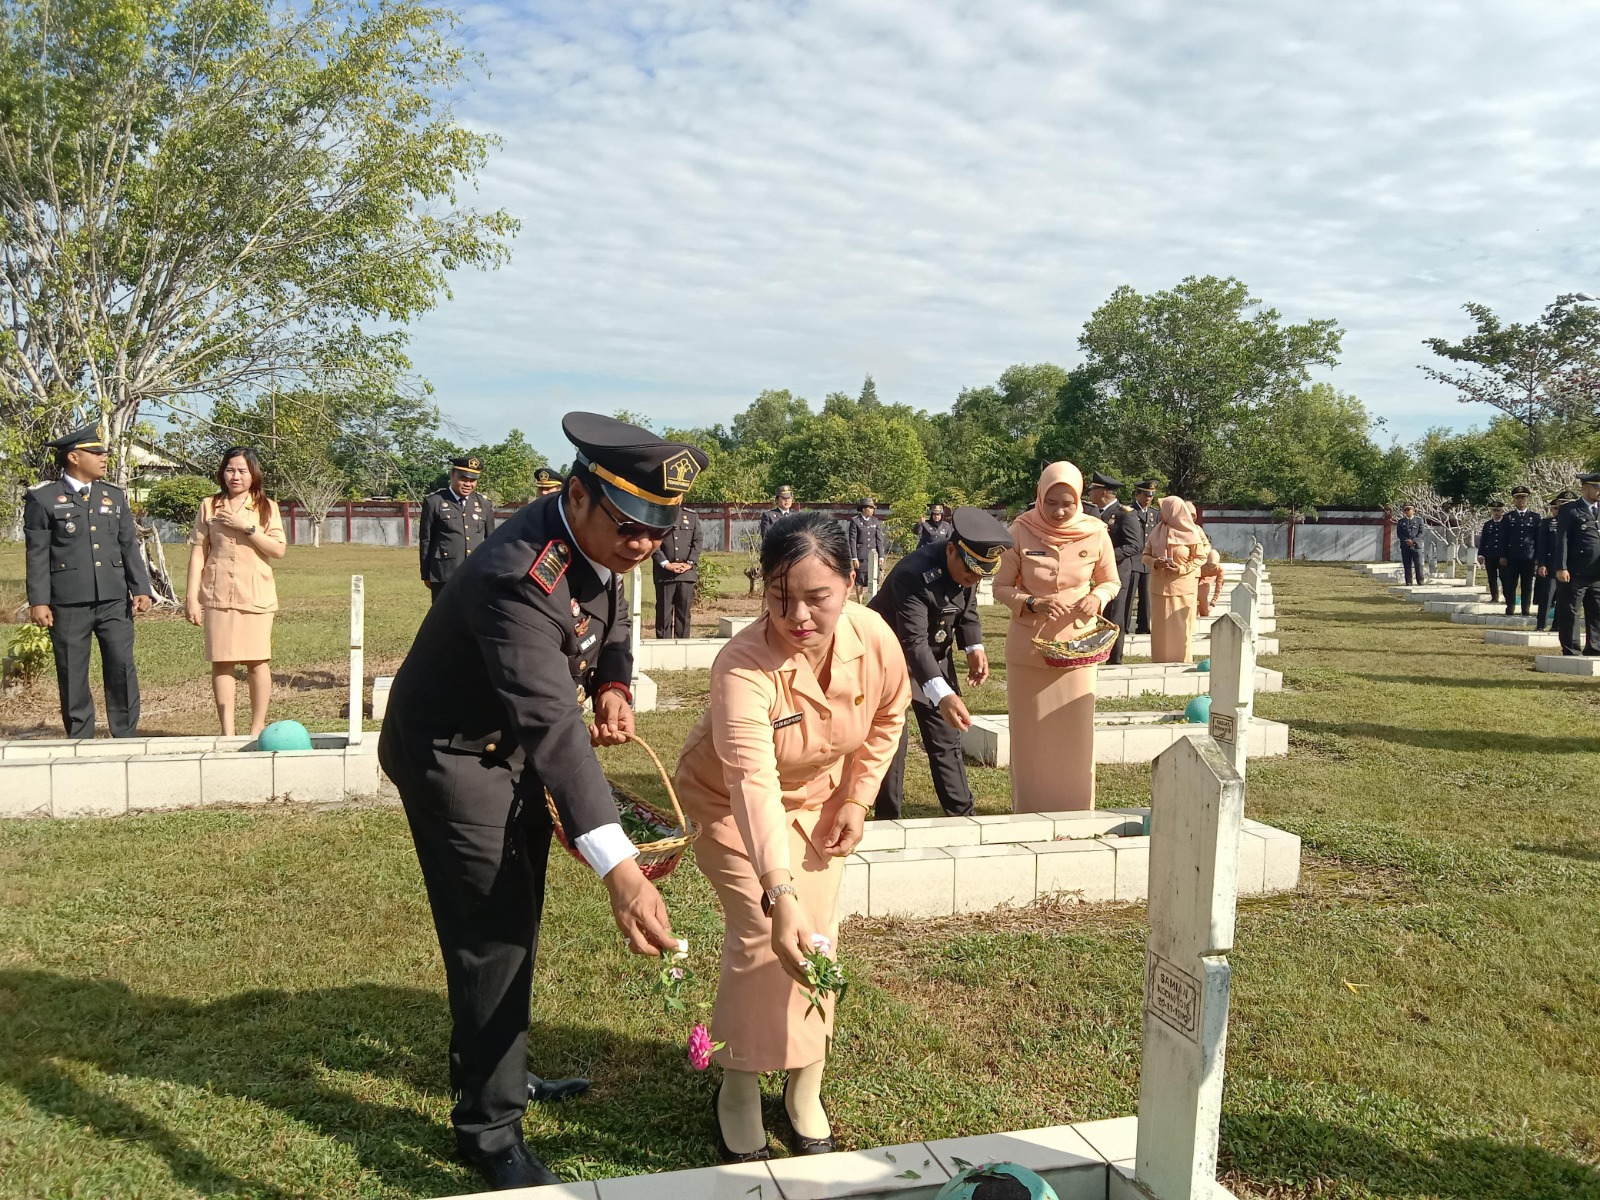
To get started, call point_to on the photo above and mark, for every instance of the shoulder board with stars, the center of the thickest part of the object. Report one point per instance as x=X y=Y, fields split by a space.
x=551 y=565
x=931 y=576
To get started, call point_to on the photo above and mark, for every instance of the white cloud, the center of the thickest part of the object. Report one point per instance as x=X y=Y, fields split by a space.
x=721 y=197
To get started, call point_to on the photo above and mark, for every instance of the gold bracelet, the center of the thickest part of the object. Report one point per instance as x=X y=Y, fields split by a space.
x=863 y=803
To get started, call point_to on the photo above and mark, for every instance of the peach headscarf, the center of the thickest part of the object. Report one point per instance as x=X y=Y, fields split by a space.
x=1080 y=525
x=1177 y=527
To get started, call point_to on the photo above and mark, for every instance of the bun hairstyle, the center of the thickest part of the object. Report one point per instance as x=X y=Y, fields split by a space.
x=801 y=535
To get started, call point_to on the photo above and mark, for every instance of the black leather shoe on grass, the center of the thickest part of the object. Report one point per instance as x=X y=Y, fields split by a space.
x=514 y=1167
x=553 y=1091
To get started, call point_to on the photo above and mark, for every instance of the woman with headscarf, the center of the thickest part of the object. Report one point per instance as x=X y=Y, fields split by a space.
x=1057 y=578
x=1180 y=557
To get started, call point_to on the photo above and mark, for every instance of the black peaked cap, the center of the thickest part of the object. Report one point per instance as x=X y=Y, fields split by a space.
x=644 y=476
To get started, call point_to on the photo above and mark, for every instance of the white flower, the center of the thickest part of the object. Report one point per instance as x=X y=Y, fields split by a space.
x=682 y=952
x=820 y=942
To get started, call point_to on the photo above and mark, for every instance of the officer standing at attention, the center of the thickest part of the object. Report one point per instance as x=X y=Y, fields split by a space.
x=486 y=713
x=86 y=579
x=1102 y=501
x=865 y=535
x=1544 y=583
x=930 y=601
x=782 y=508
x=546 y=482
x=1128 y=533
x=1409 y=530
x=1519 y=547
x=455 y=522
x=1576 y=563
x=1489 y=547
x=935 y=527
x=675 y=568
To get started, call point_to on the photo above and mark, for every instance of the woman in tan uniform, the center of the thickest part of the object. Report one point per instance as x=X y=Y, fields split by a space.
x=807 y=704
x=1059 y=576
x=231 y=591
x=1180 y=557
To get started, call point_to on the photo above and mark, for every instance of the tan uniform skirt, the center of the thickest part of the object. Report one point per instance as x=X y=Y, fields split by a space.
x=233 y=636
x=762 y=1014
x=1052 y=737
x=1177 y=612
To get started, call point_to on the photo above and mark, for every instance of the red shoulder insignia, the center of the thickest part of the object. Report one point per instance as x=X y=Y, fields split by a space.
x=551 y=565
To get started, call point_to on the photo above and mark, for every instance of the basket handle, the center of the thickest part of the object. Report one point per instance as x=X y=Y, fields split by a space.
x=666 y=779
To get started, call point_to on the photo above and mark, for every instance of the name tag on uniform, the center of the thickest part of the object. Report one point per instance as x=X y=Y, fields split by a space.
x=588 y=641
x=790 y=720
x=1037 y=553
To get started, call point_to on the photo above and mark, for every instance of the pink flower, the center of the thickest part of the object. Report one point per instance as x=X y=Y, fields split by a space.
x=699 y=1048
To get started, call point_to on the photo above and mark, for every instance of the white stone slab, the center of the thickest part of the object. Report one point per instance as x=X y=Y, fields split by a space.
x=361 y=770
x=1121 y=737
x=1252 y=863
x=1522 y=637
x=993 y=876
x=910 y=883
x=1093 y=823
x=1133 y=867
x=1461 y=606
x=380 y=696
x=854 y=888
x=308 y=776
x=941 y=831
x=112 y=747
x=25 y=789
x=864 y=1173
x=158 y=781
x=882 y=835
x=1113 y=1139
x=654 y=655
x=1567 y=664
x=1076 y=870
x=728 y=626
x=1138 y=645
x=735 y=1181
x=236 y=777
x=645 y=695
x=1495 y=618
x=1014 y=827
x=88 y=787
x=1169 y=679
x=1059 y=1154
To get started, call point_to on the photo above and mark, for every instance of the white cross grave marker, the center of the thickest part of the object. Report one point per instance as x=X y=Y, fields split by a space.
x=358 y=620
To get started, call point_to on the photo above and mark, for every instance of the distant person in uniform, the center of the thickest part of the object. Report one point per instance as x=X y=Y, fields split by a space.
x=238 y=534
x=783 y=505
x=1577 y=570
x=85 y=581
x=930 y=601
x=1129 y=528
x=865 y=534
x=1519 y=547
x=1544 y=583
x=487 y=714
x=1409 y=530
x=935 y=527
x=546 y=482
x=455 y=522
x=1102 y=501
x=1489 y=548
x=675 y=567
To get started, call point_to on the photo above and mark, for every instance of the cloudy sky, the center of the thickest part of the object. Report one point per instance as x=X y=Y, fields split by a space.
x=718 y=197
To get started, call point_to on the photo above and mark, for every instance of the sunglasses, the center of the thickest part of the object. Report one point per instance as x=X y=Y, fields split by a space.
x=629 y=530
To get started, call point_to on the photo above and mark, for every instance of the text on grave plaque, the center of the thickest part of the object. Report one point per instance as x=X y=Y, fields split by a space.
x=1173 y=995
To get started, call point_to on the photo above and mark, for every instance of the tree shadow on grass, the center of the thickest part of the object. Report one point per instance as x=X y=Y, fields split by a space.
x=1466 y=741
x=1544 y=683
x=1579 y=853
x=277 y=1049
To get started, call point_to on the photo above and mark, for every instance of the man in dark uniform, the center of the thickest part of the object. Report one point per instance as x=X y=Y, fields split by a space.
x=865 y=534
x=1102 y=501
x=1519 y=547
x=86 y=580
x=1577 y=569
x=1128 y=533
x=1489 y=548
x=546 y=482
x=782 y=508
x=486 y=713
x=935 y=527
x=1544 y=584
x=676 y=569
x=930 y=602
x=455 y=522
x=1409 y=530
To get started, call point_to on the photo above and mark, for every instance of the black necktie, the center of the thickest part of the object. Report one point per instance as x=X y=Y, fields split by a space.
x=83 y=494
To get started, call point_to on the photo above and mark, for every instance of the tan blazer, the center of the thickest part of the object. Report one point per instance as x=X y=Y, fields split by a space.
x=773 y=742
x=1189 y=559
x=1033 y=568
x=235 y=575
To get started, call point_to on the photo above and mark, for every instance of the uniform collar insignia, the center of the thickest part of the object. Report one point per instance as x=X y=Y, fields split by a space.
x=551 y=565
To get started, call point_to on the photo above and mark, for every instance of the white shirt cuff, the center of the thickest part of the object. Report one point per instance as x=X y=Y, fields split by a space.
x=936 y=689
x=605 y=847
x=970 y=649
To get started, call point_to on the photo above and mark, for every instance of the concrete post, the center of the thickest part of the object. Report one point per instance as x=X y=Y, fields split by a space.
x=636 y=610
x=1244 y=602
x=358 y=621
x=1198 y=803
x=1233 y=683
x=872 y=573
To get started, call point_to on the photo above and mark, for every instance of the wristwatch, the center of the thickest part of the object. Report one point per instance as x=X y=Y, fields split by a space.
x=1028 y=603
x=251 y=532
x=770 y=897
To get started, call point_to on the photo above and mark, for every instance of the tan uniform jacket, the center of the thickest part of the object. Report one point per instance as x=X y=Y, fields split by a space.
x=1189 y=559
x=1033 y=568
x=236 y=576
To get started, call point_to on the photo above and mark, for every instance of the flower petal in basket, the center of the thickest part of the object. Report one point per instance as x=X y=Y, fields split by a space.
x=658 y=854
x=1086 y=650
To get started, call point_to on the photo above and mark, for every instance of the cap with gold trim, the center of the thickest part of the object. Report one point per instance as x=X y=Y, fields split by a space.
x=644 y=476
x=468 y=466
x=88 y=438
x=546 y=480
x=980 y=539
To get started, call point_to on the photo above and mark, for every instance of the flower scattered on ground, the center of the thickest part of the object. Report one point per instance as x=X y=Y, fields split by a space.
x=699 y=1048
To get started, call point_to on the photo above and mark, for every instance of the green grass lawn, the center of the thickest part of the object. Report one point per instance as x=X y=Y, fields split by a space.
x=252 y=1004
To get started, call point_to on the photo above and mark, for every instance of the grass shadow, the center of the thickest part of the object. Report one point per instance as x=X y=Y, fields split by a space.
x=1466 y=741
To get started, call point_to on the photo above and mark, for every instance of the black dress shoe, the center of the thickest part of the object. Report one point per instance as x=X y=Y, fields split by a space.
x=723 y=1152
x=800 y=1144
x=514 y=1167
x=553 y=1091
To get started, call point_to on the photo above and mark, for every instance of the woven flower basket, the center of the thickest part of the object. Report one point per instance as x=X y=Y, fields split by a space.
x=658 y=856
x=1086 y=650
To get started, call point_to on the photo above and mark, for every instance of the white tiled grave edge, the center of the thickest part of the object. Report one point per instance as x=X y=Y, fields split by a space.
x=82 y=777
x=1522 y=637
x=1567 y=664
x=1121 y=737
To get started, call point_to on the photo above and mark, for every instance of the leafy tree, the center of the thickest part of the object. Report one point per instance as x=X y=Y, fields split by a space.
x=508 y=468
x=840 y=460
x=869 y=393
x=177 y=498
x=1312 y=448
x=770 y=418
x=1469 y=468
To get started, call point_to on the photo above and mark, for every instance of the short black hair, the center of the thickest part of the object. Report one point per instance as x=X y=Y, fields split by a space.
x=801 y=535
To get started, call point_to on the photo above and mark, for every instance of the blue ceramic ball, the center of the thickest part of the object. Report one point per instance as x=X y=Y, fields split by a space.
x=997 y=1181
x=1203 y=665
x=1198 y=711
x=285 y=735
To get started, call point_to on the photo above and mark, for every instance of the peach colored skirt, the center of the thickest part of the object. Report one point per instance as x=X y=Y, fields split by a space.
x=237 y=637
x=760 y=1012
x=1052 y=737
x=1177 y=612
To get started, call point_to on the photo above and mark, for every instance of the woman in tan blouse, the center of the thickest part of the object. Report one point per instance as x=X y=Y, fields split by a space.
x=1059 y=576
x=1180 y=558
x=807 y=704
x=231 y=590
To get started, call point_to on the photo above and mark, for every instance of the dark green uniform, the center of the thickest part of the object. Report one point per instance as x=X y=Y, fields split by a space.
x=675 y=589
x=452 y=528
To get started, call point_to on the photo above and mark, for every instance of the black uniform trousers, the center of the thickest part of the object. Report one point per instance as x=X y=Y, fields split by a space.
x=1411 y=557
x=483 y=843
x=1517 y=572
x=1581 y=594
x=110 y=622
x=674 y=599
x=1492 y=566
x=434 y=589
x=1544 y=592
x=1121 y=611
x=942 y=741
x=1142 y=622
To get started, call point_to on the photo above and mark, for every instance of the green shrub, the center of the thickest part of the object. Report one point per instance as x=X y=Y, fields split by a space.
x=709 y=586
x=29 y=653
x=177 y=499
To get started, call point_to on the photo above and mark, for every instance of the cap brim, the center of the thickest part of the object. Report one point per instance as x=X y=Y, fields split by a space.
x=974 y=563
x=637 y=508
x=466 y=474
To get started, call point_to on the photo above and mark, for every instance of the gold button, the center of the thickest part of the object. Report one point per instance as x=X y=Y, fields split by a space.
x=96 y=546
x=94 y=529
x=97 y=564
x=489 y=749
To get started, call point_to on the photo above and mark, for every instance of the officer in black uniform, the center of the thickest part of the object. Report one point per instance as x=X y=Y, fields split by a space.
x=1128 y=533
x=1409 y=530
x=1519 y=547
x=86 y=580
x=865 y=534
x=783 y=507
x=935 y=527
x=1577 y=569
x=1544 y=583
x=546 y=482
x=676 y=569
x=455 y=522
x=930 y=602
x=486 y=713
x=1102 y=500
x=1489 y=548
